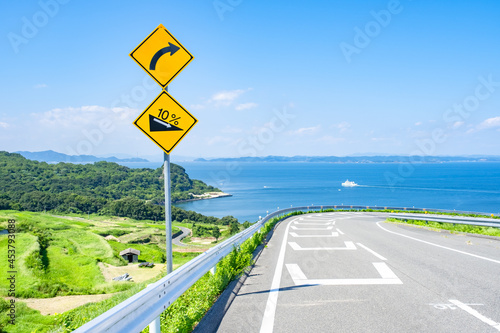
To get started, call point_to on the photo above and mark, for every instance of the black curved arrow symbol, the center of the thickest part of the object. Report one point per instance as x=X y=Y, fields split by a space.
x=170 y=48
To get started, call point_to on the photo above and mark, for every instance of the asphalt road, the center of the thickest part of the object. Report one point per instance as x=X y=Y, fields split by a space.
x=177 y=240
x=352 y=272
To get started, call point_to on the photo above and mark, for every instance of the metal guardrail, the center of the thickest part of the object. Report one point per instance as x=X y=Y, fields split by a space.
x=477 y=221
x=137 y=312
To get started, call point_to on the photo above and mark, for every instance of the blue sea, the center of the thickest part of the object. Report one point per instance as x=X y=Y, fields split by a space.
x=258 y=188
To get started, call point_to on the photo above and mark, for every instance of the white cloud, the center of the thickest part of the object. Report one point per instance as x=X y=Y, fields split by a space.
x=225 y=98
x=305 y=130
x=457 y=124
x=342 y=127
x=3 y=125
x=418 y=123
x=246 y=106
x=489 y=123
x=40 y=86
x=78 y=117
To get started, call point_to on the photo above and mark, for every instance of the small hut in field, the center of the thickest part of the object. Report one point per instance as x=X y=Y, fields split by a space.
x=130 y=254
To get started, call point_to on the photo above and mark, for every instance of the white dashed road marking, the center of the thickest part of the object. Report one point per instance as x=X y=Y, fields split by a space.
x=387 y=277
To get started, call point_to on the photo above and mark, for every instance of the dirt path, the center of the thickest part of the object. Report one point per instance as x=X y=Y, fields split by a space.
x=60 y=304
x=137 y=273
x=200 y=250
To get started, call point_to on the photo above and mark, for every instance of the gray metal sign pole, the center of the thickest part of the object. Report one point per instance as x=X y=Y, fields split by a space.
x=155 y=326
x=168 y=211
x=168 y=208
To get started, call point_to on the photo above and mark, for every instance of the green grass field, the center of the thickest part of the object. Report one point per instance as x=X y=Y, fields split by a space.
x=75 y=248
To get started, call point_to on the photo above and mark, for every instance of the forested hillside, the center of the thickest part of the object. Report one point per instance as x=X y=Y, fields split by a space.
x=102 y=187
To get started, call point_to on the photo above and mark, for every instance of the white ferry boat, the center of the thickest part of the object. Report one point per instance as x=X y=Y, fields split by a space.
x=348 y=183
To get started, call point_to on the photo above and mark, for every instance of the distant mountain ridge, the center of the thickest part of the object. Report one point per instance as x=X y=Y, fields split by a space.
x=51 y=156
x=358 y=159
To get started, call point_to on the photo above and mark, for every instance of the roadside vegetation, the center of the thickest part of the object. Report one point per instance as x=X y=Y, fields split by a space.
x=454 y=228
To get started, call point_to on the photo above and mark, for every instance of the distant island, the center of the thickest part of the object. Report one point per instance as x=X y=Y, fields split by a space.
x=51 y=156
x=358 y=159
x=100 y=187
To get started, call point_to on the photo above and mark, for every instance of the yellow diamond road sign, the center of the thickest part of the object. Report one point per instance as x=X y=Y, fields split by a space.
x=161 y=56
x=165 y=122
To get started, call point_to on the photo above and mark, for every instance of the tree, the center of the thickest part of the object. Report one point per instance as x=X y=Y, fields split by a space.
x=234 y=228
x=228 y=220
x=216 y=233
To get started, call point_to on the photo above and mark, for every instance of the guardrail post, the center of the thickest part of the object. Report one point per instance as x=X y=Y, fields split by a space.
x=213 y=270
x=155 y=326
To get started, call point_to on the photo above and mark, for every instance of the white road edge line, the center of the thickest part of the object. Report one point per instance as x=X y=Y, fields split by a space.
x=476 y=314
x=372 y=252
x=297 y=247
x=272 y=300
x=441 y=246
x=340 y=232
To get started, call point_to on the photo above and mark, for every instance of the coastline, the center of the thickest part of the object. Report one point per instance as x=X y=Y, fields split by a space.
x=206 y=196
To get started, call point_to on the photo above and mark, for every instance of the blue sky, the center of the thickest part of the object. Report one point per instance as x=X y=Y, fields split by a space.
x=268 y=78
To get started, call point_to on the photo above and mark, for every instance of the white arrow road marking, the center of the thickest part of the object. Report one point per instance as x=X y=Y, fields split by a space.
x=340 y=232
x=296 y=273
x=327 y=228
x=297 y=247
x=334 y=234
x=387 y=277
x=476 y=314
x=318 y=220
x=371 y=251
x=313 y=223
